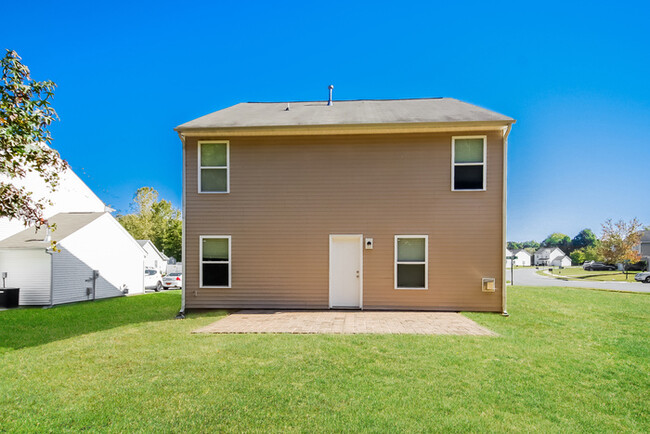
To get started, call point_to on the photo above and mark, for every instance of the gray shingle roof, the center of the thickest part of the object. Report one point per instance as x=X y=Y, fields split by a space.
x=360 y=112
x=66 y=224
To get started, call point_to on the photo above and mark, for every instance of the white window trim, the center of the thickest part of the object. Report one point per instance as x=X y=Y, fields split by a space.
x=426 y=262
x=454 y=164
x=201 y=261
x=227 y=167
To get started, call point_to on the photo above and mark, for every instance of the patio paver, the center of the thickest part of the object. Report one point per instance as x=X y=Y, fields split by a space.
x=346 y=322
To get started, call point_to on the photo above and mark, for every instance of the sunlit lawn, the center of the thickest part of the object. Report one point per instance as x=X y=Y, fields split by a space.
x=565 y=360
x=600 y=276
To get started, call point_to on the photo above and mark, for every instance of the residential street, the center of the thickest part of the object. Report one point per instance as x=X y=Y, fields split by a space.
x=529 y=277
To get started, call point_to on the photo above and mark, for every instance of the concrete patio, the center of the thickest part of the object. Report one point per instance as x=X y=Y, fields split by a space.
x=346 y=322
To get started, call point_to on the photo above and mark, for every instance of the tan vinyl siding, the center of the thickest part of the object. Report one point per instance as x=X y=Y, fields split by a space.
x=288 y=194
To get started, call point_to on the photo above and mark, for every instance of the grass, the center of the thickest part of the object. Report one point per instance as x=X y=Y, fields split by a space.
x=566 y=360
x=577 y=273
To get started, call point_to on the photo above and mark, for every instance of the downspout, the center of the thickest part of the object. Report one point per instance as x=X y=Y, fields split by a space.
x=181 y=313
x=51 y=253
x=504 y=299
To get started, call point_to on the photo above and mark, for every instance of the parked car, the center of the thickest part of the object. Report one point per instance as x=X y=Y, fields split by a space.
x=153 y=279
x=598 y=266
x=639 y=266
x=643 y=277
x=173 y=280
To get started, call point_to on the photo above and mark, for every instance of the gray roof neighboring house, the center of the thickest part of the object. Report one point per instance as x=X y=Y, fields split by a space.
x=66 y=224
x=145 y=242
x=357 y=112
x=547 y=251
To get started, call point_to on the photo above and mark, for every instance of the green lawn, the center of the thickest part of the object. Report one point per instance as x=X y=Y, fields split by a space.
x=577 y=273
x=565 y=360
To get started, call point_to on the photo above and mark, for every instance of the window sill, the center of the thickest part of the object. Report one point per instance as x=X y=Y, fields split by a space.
x=412 y=289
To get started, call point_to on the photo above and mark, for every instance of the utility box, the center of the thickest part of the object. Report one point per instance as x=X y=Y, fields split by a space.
x=9 y=297
x=488 y=284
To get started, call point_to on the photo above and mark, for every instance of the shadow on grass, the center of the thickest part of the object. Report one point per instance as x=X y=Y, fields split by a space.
x=28 y=327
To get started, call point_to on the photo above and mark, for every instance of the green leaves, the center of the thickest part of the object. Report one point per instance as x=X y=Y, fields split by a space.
x=25 y=115
x=619 y=241
x=155 y=220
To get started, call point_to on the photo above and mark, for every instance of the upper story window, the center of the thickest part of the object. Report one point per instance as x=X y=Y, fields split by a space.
x=214 y=173
x=468 y=161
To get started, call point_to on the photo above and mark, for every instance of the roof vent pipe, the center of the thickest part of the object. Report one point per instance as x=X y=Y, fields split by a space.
x=330 y=87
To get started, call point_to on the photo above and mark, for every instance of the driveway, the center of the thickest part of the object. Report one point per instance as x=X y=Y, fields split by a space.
x=529 y=277
x=346 y=322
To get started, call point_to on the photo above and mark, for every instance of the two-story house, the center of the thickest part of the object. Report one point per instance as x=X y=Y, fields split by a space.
x=524 y=258
x=644 y=247
x=368 y=204
x=553 y=256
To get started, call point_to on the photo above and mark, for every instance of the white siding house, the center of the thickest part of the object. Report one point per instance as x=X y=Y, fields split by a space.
x=561 y=261
x=546 y=256
x=30 y=270
x=153 y=258
x=86 y=242
x=176 y=267
x=524 y=258
x=72 y=195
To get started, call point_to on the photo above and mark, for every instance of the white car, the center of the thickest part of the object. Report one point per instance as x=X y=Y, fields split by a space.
x=153 y=279
x=173 y=280
x=643 y=277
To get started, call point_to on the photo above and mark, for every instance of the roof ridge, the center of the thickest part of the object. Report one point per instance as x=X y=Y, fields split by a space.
x=346 y=100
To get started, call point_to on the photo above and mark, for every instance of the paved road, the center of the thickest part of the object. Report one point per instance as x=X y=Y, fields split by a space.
x=528 y=277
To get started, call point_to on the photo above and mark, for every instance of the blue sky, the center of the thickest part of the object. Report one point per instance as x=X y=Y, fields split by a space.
x=573 y=74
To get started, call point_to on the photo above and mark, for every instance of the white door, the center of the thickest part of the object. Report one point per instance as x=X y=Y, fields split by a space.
x=346 y=271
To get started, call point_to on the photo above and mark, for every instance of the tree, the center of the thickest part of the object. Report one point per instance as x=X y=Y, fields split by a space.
x=25 y=115
x=592 y=254
x=578 y=256
x=619 y=241
x=514 y=245
x=155 y=220
x=560 y=240
x=530 y=244
x=585 y=238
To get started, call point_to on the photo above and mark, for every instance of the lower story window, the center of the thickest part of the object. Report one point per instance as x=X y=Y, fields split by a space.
x=411 y=254
x=215 y=261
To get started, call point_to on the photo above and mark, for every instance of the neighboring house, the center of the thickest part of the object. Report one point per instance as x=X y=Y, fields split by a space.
x=87 y=242
x=553 y=256
x=370 y=204
x=644 y=247
x=153 y=258
x=562 y=261
x=524 y=258
x=175 y=267
x=72 y=195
